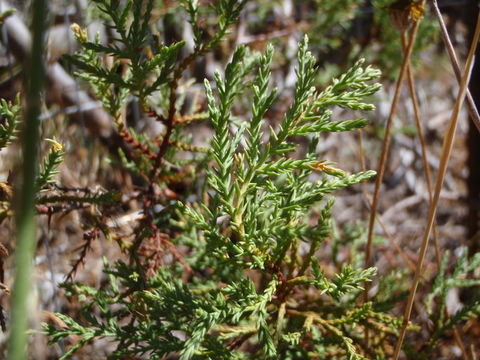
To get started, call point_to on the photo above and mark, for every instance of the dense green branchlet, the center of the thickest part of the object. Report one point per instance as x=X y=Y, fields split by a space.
x=10 y=112
x=258 y=202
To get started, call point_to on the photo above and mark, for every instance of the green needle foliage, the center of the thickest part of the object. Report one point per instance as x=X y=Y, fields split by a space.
x=261 y=193
x=250 y=284
x=461 y=276
x=50 y=164
x=133 y=38
x=10 y=113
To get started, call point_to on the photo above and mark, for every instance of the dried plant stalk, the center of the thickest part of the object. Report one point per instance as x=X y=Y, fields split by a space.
x=445 y=156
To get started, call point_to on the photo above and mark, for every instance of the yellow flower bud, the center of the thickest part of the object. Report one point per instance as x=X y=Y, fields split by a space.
x=80 y=34
x=57 y=147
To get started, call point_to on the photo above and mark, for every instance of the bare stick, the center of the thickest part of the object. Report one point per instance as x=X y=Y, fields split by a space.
x=368 y=202
x=446 y=152
x=385 y=149
x=428 y=177
x=472 y=108
x=423 y=146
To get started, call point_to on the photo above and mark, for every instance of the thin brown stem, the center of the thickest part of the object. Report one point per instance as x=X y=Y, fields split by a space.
x=472 y=109
x=368 y=201
x=446 y=152
x=473 y=354
x=428 y=177
x=385 y=150
x=423 y=145
x=390 y=237
x=170 y=120
x=458 y=340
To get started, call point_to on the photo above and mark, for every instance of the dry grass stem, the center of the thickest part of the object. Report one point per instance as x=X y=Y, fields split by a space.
x=368 y=201
x=385 y=148
x=446 y=152
x=421 y=137
x=472 y=109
